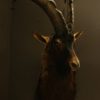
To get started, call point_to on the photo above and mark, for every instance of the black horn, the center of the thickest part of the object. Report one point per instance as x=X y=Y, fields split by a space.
x=56 y=17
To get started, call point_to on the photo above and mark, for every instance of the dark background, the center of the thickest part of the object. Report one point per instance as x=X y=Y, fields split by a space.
x=20 y=54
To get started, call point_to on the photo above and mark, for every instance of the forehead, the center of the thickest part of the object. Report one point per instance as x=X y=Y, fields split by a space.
x=63 y=38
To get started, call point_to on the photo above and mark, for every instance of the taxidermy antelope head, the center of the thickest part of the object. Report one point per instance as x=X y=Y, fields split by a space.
x=60 y=45
x=59 y=59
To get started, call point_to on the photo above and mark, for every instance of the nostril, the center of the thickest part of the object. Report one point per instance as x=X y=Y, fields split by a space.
x=75 y=66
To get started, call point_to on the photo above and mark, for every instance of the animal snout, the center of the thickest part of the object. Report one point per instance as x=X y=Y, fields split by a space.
x=75 y=64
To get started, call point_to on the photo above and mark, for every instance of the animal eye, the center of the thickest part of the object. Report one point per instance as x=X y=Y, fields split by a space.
x=58 y=41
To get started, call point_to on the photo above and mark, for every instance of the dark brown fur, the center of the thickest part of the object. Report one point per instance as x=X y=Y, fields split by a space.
x=57 y=80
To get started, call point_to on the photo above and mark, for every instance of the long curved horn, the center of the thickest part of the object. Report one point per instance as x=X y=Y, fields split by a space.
x=70 y=14
x=56 y=17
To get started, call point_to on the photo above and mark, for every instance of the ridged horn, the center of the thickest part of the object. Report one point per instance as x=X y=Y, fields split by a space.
x=70 y=14
x=55 y=15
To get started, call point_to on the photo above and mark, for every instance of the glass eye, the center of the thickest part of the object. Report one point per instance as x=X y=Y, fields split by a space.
x=58 y=41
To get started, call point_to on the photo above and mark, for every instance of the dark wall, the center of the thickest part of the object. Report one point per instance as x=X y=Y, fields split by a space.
x=20 y=54
x=88 y=20
x=5 y=29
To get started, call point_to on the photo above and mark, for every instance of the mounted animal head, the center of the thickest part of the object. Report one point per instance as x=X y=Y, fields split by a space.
x=59 y=46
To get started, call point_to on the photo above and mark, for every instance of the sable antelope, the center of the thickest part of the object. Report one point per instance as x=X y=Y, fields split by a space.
x=59 y=61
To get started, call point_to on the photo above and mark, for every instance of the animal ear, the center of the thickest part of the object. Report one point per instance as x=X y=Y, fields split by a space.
x=77 y=35
x=41 y=38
